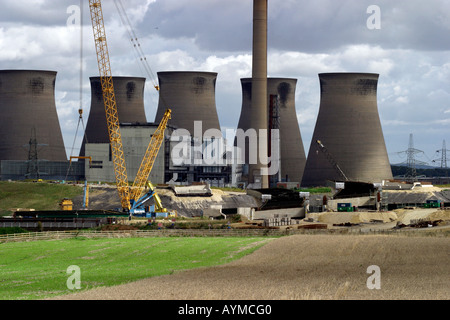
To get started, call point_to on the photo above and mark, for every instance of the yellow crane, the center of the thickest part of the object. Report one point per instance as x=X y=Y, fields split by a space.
x=131 y=198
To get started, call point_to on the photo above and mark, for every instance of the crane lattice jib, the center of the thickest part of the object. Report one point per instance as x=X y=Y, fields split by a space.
x=149 y=158
x=109 y=100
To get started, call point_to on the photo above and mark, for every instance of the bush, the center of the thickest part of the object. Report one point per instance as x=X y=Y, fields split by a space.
x=235 y=218
x=12 y=230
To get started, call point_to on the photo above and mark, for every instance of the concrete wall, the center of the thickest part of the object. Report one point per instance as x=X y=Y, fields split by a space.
x=48 y=170
x=356 y=202
x=290 y=213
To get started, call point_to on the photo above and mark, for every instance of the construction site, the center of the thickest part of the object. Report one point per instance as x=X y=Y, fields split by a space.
x=178 y=168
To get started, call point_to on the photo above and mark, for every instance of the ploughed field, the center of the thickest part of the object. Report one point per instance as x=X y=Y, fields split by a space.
x=308 y=267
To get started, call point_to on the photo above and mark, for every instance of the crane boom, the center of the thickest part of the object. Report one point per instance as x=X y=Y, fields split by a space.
x=149 y=158
x=109 y=100
x=331 y=160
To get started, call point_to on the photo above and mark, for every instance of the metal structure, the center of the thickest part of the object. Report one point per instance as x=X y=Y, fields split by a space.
x=191 y=96
x=129 y=95
x=27 y=103
x=348 y=124
x=331 y=160
x=129 y=197
x=443 y=156
x=149 y=158
x=281 y=114
x=109 y=99
x=411 y=161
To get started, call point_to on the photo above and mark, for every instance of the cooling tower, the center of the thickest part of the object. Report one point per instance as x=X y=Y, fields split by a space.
x=282 y=114
x=349 y=128
x=129 y=92
x=191 y=96
x=28 y=109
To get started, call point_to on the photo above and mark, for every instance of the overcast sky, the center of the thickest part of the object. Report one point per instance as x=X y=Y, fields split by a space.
x=408 y=46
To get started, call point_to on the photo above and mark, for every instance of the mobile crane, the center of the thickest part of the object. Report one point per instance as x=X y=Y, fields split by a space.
x=132 y=199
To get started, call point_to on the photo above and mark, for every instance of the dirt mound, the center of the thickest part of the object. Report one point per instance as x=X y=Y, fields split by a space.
x=353 y=217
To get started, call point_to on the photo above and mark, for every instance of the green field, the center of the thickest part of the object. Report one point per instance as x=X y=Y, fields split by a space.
x=38 y=196
x=36 y=270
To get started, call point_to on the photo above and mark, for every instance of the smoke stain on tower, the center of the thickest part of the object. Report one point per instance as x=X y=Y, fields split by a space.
x=131 y=89
x=284 y=89
x=37 y=85
x=198 y=85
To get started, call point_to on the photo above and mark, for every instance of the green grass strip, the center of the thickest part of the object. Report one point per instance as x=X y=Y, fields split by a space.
x=38 y=196
x=36 y=270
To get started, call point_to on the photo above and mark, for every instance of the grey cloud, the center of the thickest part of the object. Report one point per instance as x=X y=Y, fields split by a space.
x=309 y=26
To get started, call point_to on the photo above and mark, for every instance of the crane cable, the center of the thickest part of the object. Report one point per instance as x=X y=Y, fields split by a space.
x=135 y=41
x=137 y=46
x=80 y=110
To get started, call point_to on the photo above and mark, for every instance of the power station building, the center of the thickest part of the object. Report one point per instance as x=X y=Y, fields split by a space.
x=348 y=127
x=192 y=131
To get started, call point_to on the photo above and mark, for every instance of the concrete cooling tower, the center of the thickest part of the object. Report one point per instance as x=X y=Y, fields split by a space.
x=129 y=92
x=191 y=96
x=28 y=111
x=282 y=115
x=349 y=128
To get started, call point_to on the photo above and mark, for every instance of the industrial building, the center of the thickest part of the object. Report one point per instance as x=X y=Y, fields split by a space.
x=191 y=97
x=135 y=138
x=348 y=141
x=166 y=169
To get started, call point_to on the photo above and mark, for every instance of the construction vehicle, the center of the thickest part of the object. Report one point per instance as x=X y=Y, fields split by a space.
x=132 y=199
x=66 y=205
x=331 y=160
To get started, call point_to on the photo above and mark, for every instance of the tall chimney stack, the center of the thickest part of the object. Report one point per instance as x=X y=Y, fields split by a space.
x=259 y=120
